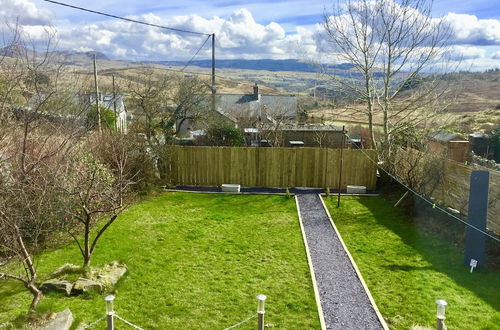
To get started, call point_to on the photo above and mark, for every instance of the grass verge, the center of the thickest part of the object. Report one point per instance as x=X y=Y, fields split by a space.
x=196 y=261
x=407 y=269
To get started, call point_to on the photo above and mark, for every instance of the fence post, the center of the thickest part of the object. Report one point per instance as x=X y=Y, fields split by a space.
x=110 y=312
x=440 y=315
x=261 y=311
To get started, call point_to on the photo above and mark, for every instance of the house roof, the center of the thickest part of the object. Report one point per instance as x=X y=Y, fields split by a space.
x=313 y=127
x=251 y=106
x=444 y=137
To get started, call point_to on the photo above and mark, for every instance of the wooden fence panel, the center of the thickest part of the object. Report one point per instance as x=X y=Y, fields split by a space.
x=453 y=190
x=271 y=167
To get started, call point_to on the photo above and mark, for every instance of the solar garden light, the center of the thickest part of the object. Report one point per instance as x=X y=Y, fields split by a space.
x=109 y=311
x=261 y=311
x=440 y=313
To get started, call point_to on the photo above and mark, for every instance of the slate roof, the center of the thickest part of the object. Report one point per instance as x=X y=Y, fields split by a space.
x=249 y=106
x=444 y=137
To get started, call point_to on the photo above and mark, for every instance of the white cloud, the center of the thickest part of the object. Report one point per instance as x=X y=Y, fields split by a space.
x=459 y=53
x=468 y=29
x=26 y=12
x=238 y=35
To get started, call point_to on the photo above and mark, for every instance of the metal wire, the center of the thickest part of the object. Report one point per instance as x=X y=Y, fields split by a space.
x=127 y=322
x=242 y=322
x=94 y=323
x=192 y=58
x=125 y=19
x=426 y=199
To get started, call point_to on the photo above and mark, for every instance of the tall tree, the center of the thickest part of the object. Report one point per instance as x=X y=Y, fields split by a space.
x=391 y=45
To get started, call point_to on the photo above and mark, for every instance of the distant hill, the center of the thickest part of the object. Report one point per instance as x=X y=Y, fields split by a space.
x=266 y=65
x=66 y=56
x=71 y=54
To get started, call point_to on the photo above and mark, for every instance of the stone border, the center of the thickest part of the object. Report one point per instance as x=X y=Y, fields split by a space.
x=311 y=269
x=356 y=269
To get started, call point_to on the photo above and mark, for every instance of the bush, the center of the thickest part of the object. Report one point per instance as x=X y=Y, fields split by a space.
x=495 y=144
x=108 y=118
x=140 y=165
x=222 y=134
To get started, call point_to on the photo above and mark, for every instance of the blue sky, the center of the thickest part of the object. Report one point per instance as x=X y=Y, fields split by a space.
x=245 y=29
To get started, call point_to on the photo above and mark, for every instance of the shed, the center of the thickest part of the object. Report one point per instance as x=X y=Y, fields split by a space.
x=452 y=145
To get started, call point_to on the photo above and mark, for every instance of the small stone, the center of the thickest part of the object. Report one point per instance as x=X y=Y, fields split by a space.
x=85 y=285
x=61 y=321
x=56 y=285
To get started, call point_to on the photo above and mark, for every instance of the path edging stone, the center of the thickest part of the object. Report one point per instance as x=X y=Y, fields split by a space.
x=311 y=269
x=355 y=266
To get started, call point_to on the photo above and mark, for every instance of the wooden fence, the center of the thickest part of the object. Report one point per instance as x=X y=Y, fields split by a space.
x=272 y=167
x=453 y=190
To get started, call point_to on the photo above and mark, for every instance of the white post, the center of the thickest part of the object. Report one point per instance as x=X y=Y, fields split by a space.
x=440 y=314
x=261 y=311
x=110 y=312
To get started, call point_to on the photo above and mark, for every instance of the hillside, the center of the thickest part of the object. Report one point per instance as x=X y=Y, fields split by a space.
x=476 y=108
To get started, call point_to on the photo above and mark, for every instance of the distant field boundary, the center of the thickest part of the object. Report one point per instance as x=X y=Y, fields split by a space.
x=272 y=167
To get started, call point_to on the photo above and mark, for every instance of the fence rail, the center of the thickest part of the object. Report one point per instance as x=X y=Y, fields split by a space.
x=272 y=167
x=454 y=186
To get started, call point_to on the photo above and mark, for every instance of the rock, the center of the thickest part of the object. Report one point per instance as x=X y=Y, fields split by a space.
x=56 y=285
x=61 y=321
x=64 y=269
x=111 y=273
x=85 y=285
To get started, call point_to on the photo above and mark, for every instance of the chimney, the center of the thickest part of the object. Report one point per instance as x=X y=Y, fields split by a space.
x=256 y=92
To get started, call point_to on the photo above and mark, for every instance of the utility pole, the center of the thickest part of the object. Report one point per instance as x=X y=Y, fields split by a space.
x=341 y=163
x=114 y=103
x=97 y=95
x=213 y=74
x=213 y=63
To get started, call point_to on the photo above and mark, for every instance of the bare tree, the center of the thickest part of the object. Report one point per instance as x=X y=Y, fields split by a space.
x=37 y=134
x=165 y=102
x=94 y=194
x=390 y=45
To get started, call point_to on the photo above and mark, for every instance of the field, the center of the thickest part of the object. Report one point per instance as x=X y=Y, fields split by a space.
x=407 y=269
x=195 y=261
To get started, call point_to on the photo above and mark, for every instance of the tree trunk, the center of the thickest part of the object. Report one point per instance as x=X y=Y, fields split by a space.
x=86 y=252
x=370 y=129
x=37 y=295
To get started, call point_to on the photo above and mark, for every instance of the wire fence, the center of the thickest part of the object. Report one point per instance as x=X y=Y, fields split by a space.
x=242 y=322
x=111 y=315
x=426 y=199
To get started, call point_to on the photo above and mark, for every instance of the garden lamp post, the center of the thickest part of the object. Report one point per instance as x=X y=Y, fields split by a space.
x=261 y=311
x=440 y=314
x=110 y=311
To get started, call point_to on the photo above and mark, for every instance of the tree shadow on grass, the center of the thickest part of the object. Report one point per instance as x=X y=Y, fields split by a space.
x=406 y=268
x=444 y=255
x=10 y=288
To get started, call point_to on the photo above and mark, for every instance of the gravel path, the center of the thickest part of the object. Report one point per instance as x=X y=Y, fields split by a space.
x=343 y=299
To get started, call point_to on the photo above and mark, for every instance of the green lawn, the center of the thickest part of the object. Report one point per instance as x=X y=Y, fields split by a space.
x=196 y=261
x=407 y=270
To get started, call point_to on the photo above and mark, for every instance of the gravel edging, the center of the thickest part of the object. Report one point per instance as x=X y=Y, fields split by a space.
x=344 y=300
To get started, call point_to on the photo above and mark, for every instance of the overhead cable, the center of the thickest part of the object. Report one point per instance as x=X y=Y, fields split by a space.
x=425 y=199
x=126 y=19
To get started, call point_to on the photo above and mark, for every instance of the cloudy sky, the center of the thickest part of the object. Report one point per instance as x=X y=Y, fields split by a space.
x=244 y=29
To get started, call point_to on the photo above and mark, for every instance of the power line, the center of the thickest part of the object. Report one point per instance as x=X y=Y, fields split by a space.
x=126 y=19
x=425 y=199
x=192 y=58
